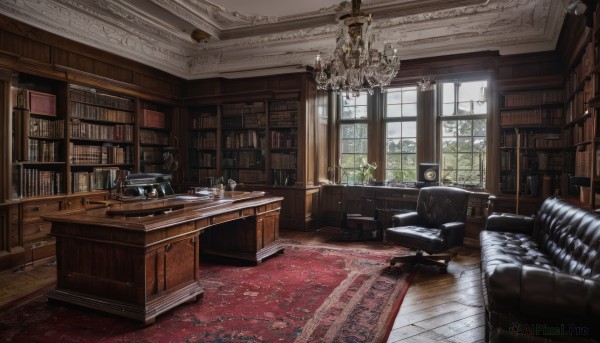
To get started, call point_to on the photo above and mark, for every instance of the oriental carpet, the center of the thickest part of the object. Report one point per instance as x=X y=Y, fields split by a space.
x=310 y=293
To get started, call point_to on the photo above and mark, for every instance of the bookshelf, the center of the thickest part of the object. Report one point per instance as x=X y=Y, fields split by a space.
x=244 y=142
x=39 y=113
x=101 y=138
x=531 y=142
x=581 y=132
x=203 y=135
x=283 y=142
x=155 y=137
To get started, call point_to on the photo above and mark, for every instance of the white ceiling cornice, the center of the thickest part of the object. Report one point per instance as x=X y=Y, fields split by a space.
x=157 y=32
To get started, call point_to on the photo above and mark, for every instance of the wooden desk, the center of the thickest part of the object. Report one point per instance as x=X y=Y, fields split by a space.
x=141 y=266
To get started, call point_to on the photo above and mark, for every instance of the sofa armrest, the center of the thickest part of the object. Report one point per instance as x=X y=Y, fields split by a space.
x=508 y=222
x=404 y=219
x=452 y=226
x=539 y=293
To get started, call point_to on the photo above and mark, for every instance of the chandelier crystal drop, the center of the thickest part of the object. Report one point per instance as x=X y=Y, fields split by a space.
x=356 y=65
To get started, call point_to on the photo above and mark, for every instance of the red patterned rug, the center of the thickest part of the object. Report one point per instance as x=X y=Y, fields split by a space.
x=307 y=294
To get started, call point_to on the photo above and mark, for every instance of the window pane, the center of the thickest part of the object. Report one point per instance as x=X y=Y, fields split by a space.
x=401 y=102
x=409 y=110
x=394 y=111
x=448 y=109
x=401 y=139
x=464 y=142
x=448 y=92
x=409 y=95
x=353 y=149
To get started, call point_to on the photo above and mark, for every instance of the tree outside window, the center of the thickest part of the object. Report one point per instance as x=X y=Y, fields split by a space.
x=401 y=134
x=353 y=136
x=464 y=111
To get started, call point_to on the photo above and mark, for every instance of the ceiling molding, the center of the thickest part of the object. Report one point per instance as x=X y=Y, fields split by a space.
x=158 y=33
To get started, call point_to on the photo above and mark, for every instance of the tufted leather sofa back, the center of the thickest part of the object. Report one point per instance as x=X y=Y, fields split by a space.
x=570 y=235
x=440 y=205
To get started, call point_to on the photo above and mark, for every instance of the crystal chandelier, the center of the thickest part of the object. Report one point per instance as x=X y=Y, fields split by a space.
x=356 y=65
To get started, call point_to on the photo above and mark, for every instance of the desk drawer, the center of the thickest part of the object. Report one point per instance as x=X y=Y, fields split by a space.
x=32 y=211
x=35 y=231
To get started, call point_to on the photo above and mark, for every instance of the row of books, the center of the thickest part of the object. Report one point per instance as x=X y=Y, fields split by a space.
x=43 y=151
x=203 y=160
x=119 y=132
x=283 y=160
x=94 y=154
x=580 y=133
x=91 y=112
x=46 y=128
x=286 y=118
x=583 y=162
x=532 y=161
x=581 y=71
x=578 y=106
x=242 y=159
x=548 y=96
x=203 y=140
x=98 y=179
x=243 y=140
x=35 y=182
x=531 y=139
x=90 y=96
x=153 y=119
x=204 y=121
x=283 y=105
x=255 y=120
x=154 y=137
x=551 y=116
x=239 y=108
x=284 y=139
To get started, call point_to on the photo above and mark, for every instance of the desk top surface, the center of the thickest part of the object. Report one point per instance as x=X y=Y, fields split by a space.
x=147 y=215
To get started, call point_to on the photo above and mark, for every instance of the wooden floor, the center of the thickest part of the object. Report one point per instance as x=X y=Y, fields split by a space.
x=437 y=308
x=446 y=307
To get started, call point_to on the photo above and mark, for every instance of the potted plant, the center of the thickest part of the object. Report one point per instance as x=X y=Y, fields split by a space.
x=366 y=171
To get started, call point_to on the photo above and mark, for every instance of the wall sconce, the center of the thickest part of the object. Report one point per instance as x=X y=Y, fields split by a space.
x=426 y=83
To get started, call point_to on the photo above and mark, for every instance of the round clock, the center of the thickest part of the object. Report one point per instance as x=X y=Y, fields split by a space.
x=430 y=174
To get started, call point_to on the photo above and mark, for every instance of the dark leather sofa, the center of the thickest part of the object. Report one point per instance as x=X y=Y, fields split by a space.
x=541 y=276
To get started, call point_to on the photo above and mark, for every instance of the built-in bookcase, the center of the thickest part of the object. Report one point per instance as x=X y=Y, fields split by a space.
x=157 y=151
x=101 y=138
x=244 y=142
x=531 y=142
x=203 y=136
x=283 y=134
x=39 y=112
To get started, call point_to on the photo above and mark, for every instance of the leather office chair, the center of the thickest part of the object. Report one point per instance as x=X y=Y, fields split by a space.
x=437 y=225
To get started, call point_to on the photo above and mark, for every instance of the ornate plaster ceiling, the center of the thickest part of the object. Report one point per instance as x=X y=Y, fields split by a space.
x=262 y=37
